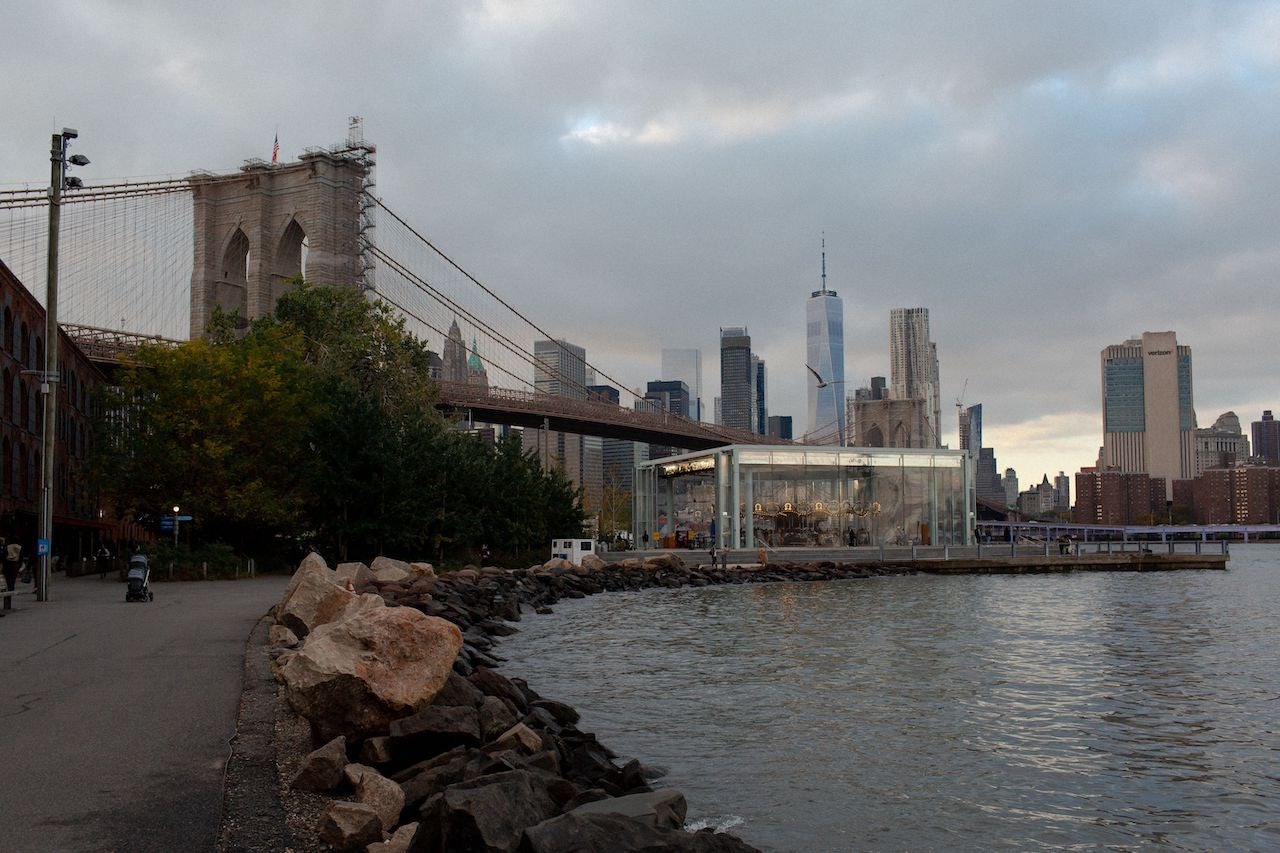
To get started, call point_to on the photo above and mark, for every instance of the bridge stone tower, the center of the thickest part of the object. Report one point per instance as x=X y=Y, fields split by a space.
x=256 y=230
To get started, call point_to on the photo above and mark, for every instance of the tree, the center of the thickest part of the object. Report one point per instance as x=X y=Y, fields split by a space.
x=320 y=422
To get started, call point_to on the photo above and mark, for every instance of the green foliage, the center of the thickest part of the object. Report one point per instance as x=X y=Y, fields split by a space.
x=319 y=425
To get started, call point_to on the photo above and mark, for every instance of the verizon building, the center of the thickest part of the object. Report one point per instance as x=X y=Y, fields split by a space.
x=1148 y=419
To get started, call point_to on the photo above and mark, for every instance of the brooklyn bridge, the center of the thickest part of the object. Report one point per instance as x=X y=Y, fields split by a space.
x=150 y=260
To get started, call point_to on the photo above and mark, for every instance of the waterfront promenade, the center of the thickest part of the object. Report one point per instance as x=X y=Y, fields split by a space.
x=117 y=717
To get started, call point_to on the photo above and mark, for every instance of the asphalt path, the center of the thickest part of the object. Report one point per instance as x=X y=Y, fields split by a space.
x=116 y=718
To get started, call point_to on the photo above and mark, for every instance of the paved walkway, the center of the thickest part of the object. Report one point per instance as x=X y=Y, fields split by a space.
x=115 y=718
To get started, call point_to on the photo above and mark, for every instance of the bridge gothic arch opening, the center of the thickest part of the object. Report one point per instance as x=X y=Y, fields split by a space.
x=874 y=437
x=231 y=290
x=291 y=258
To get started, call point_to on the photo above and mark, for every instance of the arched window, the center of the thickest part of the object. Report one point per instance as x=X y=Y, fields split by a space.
x=24 y=346
x=39 y=365
x=8 y=329
x=8 y=396
x=26 y=407
x=7 y=484
x=21 y=490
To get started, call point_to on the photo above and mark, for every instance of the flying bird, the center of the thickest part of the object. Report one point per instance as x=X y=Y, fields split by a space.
x=822 y=383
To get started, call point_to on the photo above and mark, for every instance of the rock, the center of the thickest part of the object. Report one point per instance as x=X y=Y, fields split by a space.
x=490 y=683
x=376 y=750
x=322 y=769
x=436 y=729
x=558 y=563
x=423 y=570
x=388 y=570
x=280 y=637
x=665 y=808
x=484 y=814
x=357 y=675
x=374 y=789
x=593 y=563
x=357 y=573
x=398 y=842
x=519 y=738
x=664 y=561
x=495 y=718
x=459 y=691
x=317 y=599
x=350 y=826
x=619 y=834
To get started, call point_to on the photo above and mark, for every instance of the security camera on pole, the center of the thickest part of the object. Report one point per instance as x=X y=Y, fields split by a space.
x=58 y=181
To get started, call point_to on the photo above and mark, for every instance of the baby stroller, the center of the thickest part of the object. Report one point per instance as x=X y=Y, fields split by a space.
x=139 y=580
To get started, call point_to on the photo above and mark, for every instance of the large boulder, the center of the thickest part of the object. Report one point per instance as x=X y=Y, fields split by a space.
x=620 y=834
x=357 y=573
x=315 y=597
x=593 y=562
x=398 y=842
x=666 y=808
x=357 y=675
x=485 y=814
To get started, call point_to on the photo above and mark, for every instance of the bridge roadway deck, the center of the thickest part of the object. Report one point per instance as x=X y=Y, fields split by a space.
x=589 y=417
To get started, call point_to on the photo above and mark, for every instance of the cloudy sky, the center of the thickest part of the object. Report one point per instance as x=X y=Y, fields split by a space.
x=1046 y=178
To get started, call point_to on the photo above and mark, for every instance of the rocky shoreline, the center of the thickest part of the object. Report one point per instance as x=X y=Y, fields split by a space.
x=423 y=745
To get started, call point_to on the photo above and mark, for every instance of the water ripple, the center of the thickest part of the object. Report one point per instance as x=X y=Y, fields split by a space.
x=1122 y=711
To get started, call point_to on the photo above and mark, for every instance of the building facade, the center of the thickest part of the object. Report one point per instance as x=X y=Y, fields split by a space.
x=1222 y=445
x=1266 y=439
x=80 y=522
x=737 y=379
x=824 y=356
x=913 y=366
x=685 y=365
x=780 y=427
x=892 y=423
x=1119 y=497
x=1244 y=495
x=560 y=368
x=1149 y=420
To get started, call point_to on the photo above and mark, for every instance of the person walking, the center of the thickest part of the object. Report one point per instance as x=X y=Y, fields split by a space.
x=713 y=553
x=12 y=559
x=104 y=561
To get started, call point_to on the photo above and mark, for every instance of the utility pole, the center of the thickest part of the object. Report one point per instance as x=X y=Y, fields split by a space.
x=58 y=181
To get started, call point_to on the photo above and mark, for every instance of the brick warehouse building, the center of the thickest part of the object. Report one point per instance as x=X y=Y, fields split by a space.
x=78 y=527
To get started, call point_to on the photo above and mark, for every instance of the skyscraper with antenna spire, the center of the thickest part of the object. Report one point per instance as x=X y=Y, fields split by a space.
x=824 y=360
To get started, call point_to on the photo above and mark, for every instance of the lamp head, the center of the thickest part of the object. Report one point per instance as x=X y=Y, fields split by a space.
x=70 y=133
x=78 y=160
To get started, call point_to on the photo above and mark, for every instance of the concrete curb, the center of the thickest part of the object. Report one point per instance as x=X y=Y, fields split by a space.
x=253 y=816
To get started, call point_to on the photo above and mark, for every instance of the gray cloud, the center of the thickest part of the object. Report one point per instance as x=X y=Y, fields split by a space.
x=1047 y=178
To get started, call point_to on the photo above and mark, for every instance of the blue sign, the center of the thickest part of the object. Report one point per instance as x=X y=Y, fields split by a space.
x=166 y=522
x=183 y=517
x=42 y=547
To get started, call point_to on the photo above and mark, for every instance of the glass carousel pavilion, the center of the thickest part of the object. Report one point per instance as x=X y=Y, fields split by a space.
x=745 y=496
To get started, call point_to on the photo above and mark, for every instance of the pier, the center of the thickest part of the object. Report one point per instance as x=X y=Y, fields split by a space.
x=1024 y=557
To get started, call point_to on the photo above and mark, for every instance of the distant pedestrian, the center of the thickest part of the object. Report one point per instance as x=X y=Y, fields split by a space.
x=713 y=553
x=12 y=561
x=644 y=540
x=485 y=556
x=104 y=561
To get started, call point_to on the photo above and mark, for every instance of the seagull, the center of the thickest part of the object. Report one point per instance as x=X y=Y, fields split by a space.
x=821 y=382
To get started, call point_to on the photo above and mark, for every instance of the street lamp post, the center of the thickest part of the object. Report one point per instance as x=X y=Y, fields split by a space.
x=175 y=526
x=58 y=181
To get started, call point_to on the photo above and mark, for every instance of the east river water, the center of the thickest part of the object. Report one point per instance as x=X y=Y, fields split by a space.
x=1082 y=711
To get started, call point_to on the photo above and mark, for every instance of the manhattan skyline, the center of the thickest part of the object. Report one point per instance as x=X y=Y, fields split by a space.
x=1047 y=180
